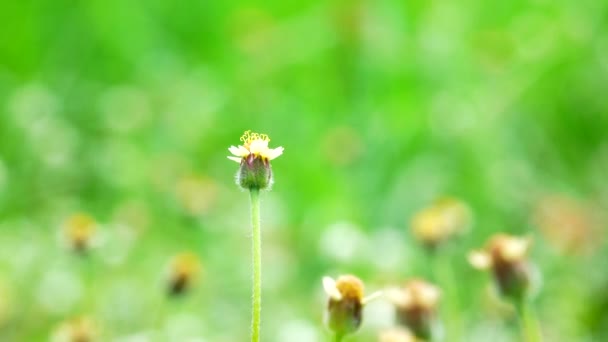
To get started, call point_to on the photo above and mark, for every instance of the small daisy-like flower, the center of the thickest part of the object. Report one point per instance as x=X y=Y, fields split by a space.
x=506 y=257
x=416 y=307
x=254 y=157
x=255 y=145
x=184 y=269
x=345 y=304
x=79 y=230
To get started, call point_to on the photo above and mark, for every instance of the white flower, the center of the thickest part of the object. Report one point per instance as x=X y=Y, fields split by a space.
x=254 y=144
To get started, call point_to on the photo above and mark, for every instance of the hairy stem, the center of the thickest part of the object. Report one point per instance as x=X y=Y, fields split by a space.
x=256 y=243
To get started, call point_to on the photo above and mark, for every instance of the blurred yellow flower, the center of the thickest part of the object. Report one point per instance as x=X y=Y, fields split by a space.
x=506 y=257
x=416 y=307
x=80 y=329
x=345 y=303
x=184 y=268
x=255 y=145
x=79 y=230
x=444 y=219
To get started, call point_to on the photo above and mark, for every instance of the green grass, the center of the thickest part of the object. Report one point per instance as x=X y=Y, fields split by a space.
x=125 y=110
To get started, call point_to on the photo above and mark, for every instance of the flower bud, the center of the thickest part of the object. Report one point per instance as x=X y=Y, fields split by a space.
x=506 y=257
x=416 y=307
x=345 y=304
x=255 y=173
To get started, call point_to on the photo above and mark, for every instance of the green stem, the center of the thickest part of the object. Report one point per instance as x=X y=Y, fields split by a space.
x=444 y=276
x=257 y=265
x=530 y=327
x=338 y=337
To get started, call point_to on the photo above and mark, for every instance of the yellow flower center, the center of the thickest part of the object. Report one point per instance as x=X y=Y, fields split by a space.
x=350 y=287
x=248 y=137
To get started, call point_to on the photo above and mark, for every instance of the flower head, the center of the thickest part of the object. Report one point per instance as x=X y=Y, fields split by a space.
x=254 y=157
x=506 y=256
x=345 y=304
x=255 y=145
x=444 y=219
x=416 y=307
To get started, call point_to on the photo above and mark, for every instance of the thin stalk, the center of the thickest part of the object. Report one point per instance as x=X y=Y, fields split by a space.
x=444 y=276
x=338 y=337
x=530 y=327
x=256 y=243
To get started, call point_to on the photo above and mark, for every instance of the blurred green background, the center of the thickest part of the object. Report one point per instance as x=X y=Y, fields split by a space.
x=124 y=110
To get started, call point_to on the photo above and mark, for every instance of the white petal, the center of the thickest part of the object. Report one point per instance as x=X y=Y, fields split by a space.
x=238 y=151
x=429 y=296
x=234 y=150
x=243 y=151
x=515 y=249
x=372 y=297
x=273 y=153
x=329 y=285
x=236 y=159
x=480 y=260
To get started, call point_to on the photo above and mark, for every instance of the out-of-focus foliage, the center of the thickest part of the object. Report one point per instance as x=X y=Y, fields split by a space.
x=123 y=111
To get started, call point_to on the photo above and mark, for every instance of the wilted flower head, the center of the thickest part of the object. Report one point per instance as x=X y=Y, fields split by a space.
x=345 y=304
x=506 y=256
x=254 y=156
x=416 y=307
x=444 y=219
x=184 y=269
x=81 y=329
x=79 y=230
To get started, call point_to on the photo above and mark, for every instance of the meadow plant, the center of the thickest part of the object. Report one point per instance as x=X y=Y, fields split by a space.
x=440 y=222
x=255 y=175
x=505 y=256
x=416 y=305
x=345 y=304
x=436 y=227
